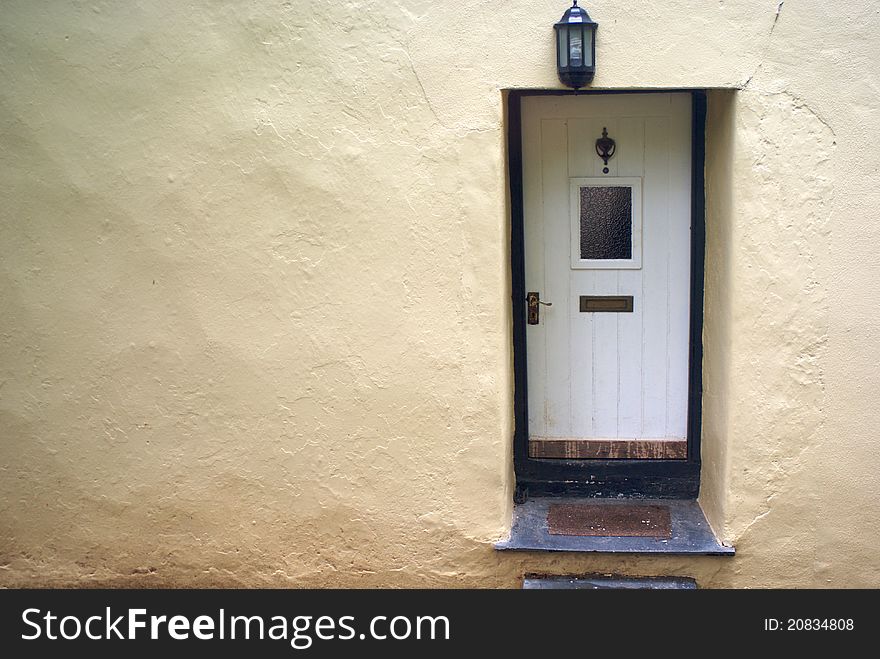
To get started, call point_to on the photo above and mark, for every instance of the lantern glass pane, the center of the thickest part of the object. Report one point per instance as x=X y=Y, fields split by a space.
x=588 y=47
x=576 y=46
x=562 y=47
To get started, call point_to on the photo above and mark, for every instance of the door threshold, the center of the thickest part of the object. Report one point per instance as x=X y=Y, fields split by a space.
x=572 y=525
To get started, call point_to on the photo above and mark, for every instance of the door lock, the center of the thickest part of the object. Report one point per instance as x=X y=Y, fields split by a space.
x=534 y=304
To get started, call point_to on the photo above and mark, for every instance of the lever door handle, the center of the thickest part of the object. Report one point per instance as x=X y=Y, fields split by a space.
x=533 y=300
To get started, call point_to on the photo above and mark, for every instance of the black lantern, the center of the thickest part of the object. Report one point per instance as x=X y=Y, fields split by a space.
x=576 y=47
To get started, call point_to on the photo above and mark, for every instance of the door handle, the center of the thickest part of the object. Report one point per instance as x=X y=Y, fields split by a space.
x=533 y=300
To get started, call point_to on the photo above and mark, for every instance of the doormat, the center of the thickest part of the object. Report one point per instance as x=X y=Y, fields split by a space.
x=597 y=519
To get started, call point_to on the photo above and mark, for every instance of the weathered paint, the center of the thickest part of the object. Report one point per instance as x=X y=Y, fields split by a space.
x=255 y=288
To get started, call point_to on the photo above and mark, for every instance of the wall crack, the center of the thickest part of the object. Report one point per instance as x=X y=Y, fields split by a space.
x=766 y=45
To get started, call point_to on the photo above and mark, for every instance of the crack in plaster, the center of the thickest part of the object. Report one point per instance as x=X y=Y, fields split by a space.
x=757 y=518
x=766 y=45
x=412 y=67
x=459 y=131
x=801 y=103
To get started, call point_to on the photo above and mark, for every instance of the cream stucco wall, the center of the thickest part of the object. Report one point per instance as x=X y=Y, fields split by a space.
x=255 y=286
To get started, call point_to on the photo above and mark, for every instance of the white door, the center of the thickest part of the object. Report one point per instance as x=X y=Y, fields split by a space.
x=610 y=251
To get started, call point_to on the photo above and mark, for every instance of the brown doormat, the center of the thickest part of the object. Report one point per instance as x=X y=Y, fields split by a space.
x=609 y=520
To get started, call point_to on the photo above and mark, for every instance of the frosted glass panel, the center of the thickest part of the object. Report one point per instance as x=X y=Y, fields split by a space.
x=606 y=222
x=588 y=47
x=562 y=49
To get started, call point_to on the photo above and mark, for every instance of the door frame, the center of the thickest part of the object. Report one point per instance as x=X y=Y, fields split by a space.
x=607 y=478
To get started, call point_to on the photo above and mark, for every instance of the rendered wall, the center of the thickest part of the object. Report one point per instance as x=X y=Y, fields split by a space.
x=255 y=285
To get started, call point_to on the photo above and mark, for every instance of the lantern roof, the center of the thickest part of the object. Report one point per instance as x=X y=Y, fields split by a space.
x=575 y=15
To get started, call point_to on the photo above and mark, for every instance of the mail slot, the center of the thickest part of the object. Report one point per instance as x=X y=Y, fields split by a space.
x=606 y=303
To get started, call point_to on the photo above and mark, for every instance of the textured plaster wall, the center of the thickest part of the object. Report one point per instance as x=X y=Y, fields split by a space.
x=255 y=287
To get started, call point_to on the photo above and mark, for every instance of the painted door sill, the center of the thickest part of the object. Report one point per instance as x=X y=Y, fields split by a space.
x=691 y=533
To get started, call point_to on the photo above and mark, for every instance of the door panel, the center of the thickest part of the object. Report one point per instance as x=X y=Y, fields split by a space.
x=603 y=376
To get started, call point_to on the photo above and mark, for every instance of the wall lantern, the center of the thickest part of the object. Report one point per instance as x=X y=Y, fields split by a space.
x=576 y=47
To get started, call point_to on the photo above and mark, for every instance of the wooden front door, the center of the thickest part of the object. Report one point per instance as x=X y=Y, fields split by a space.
x=607 y=245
